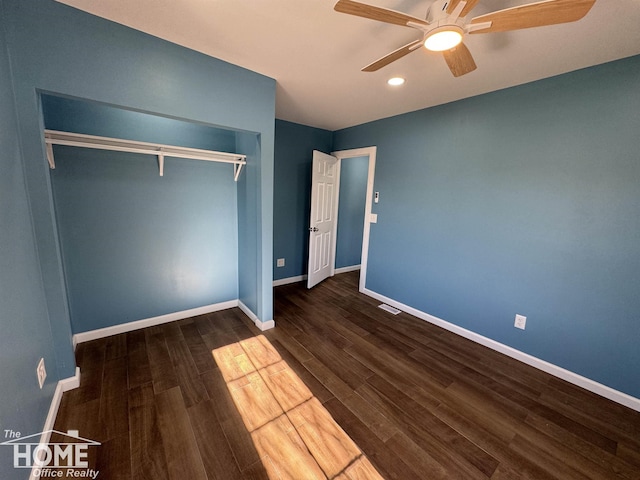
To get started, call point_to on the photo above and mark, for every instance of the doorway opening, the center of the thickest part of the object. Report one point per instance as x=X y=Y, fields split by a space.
x=324 y=235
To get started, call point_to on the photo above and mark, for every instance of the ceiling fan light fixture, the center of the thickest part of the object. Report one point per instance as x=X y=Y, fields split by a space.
x=443 y=38
x=395 y=81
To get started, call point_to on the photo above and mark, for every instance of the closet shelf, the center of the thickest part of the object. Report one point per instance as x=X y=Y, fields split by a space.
x=54 y=137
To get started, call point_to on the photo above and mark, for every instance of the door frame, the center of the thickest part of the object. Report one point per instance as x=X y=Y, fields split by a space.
x=352 y=153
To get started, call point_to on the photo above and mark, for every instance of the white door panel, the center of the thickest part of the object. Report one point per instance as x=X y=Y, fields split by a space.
x=324 y=188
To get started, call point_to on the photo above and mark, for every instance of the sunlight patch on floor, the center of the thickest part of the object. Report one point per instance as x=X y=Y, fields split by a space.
x=295 y=436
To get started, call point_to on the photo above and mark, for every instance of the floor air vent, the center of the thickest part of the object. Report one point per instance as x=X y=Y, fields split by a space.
x=389 y=309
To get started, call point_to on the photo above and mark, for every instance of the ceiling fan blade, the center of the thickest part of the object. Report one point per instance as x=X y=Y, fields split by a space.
x=465 y=11
x=376 y=13
x=468 y=7
x=393 y=56
x=549 y=12
x=459 y=60
x=452 y=6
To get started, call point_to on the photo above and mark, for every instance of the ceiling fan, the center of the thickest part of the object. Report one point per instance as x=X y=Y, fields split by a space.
x=446 y=24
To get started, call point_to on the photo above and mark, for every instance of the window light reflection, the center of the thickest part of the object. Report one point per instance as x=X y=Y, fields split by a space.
x=294 y=435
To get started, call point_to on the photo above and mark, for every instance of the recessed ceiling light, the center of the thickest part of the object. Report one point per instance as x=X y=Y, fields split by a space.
x=395 y=81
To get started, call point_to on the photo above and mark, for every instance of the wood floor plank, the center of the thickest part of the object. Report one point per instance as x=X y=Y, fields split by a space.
x=114 y=458
x=332 y=382
x=416 y=457
x=203 y=323
x=162 y=373
x=465 y=459
x=218 y=338
x=200 y=353
x=116 y=346
x=113 y=404
x=629 y=455
x=329 y=445
x=255 y=401
x=84 y=417
x=191 y=386
x=241 y=443
x=257 y=471
x=605 y=432
x=138 y=368
x=219 y=462
x=352 y=371
x=379 y=425
x=260 y=351
x=557 y=442
x=90 y=357
x=389 y=465
x=178 y=439
x=283 y=453
x=141 y=396
x=291 y=344
x=576 y=427
x=230 y=420
x=550 y=463
x=319 y=391
x=339 y=389
x=392 y=368
x=217 y=389
x=287 y=388
x=148 y=460
x=360 y=469
x=595 y=406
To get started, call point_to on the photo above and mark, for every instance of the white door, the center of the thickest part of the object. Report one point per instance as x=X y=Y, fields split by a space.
x=324 y=192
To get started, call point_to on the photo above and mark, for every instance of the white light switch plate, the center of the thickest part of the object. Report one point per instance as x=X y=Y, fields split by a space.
x=373 y=218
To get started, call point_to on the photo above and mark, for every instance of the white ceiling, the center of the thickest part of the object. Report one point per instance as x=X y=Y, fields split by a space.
x=315 y=54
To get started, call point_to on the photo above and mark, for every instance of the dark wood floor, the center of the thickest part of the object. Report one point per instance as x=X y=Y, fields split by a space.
x=418 y=401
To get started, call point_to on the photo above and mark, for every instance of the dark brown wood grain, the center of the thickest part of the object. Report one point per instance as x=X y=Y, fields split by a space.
x=418 y=402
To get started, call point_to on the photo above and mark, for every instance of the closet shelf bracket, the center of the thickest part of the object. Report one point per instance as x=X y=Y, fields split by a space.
x=54 y=137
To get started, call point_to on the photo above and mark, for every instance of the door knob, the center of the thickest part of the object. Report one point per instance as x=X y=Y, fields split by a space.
x=313 y=229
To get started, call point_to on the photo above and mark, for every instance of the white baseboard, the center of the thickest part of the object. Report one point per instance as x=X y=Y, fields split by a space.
x=262 y=325
x=571 y=377
x=63 y=385
x=150 y=322
x=350 y=268
x=286 y=281
x=302 y=278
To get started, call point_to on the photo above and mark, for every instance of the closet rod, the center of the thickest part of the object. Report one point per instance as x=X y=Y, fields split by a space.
x=54 y=137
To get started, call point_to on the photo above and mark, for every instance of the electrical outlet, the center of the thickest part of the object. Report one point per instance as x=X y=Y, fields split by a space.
x=521 y=322
x=41 y=372
x=280 y=262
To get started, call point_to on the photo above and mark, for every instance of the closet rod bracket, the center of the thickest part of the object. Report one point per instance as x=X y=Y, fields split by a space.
x=161 y=162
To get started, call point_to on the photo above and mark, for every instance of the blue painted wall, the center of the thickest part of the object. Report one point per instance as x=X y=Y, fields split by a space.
x=292 y=194
x=56 y=49
x=61 y=50
x=521 y=201
x=24 y=323
x=353 y=192
x=74 y=115
x=248 y=230
x=136 y=245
